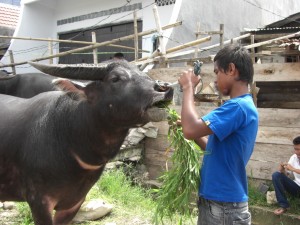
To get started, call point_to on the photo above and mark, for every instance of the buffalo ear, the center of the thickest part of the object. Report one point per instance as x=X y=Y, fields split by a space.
x=69 y=86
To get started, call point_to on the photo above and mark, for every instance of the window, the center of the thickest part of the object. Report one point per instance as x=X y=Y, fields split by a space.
x=164 y=2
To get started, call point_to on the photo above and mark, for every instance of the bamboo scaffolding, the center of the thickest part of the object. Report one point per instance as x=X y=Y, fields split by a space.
x=95 y=45
x=68 y=41
x=272 y=40
x=186 y=45
x=211 y=46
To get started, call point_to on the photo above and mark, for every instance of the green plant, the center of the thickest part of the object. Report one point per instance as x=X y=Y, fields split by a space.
x=24 y=213
x=180 y=183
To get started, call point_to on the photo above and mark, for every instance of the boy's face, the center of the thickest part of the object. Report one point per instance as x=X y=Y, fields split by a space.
x=223 y=80
x=297 y=150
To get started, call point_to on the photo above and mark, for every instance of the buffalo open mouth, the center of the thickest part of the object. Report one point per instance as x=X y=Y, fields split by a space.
x=157 y=112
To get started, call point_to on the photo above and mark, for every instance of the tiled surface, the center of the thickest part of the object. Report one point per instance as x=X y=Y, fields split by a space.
x=9 y=15
x=94 y=15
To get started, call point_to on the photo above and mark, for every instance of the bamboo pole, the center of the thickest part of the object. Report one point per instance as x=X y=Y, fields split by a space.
x=252 y=50
x=136 y=38
x=96 y=45
x=197 y=37
x=159 y=30
x=186 y=45
x=11 y=56
x=221 y=35
x=50 y=49
x=95 y=51
x=67 y=41
x=153 y=55
x=272 y=40
x=213 y=46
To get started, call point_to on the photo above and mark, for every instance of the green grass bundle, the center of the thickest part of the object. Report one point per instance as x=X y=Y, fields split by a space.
x=180 y=182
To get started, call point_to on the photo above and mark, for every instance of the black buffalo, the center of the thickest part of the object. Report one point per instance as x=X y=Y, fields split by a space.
x=26 y=85
x=55 y=145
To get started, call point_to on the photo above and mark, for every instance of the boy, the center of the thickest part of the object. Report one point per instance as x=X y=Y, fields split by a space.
x=232 y=129
x=283 y=183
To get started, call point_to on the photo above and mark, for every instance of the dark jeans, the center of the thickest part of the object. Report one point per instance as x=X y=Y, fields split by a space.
x=283 y=184
x=223 y=213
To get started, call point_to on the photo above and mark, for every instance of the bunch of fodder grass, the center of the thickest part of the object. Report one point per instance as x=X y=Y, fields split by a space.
x=180 y=182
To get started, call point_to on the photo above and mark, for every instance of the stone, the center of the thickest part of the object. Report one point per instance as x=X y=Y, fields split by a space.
x=9 y=205
x=92 y=210
x=271 y=197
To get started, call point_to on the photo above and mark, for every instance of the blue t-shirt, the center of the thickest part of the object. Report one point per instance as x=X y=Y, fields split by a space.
x=228 y=150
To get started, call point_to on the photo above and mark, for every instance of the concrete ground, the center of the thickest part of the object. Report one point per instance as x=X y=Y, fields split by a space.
x=263 y=216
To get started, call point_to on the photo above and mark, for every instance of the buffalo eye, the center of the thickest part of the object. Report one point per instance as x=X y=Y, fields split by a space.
x=114 y=79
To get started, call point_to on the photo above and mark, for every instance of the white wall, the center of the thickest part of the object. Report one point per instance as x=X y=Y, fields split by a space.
x=234 y=14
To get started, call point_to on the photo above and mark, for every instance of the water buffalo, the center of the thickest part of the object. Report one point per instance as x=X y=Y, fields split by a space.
x=26 y=85
x=55 y=145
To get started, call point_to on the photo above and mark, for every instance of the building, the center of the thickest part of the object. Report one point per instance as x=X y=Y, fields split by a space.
x=76 y=20
x=9 y=16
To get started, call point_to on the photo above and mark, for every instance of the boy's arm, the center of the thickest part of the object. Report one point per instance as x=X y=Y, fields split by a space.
x=281 y=168
x=201 y=142
x=192 y=126
x=291 y=168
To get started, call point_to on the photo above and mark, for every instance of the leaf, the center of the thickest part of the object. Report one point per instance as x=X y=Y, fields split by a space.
x=180 y=182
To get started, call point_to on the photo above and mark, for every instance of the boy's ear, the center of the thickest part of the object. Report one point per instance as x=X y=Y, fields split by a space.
x=232 y=70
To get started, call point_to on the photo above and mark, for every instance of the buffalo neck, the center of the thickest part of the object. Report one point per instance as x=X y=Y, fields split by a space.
x=80 y=123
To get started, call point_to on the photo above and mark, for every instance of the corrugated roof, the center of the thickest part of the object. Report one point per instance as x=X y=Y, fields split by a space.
x=9 y=15
x=273 y=30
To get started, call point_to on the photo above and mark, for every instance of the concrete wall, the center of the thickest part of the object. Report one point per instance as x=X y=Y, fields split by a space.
x=236 y=15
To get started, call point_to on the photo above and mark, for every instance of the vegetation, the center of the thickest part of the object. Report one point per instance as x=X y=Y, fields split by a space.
x=256 y=198
x=180 y=183
x=136 y=205
x=132 y=204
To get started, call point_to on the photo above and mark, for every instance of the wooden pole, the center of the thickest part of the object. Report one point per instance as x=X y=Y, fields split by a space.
x=153 y=55
x=95 y=45
x=11 y=56
x=214 y=46
x=136 y=38
x=50 y=49
x=221 y=36
x=254 y=92
x=252 y=50
x=186 y=45
x=159 y=30
x=68 y=41
x=95 y=51
x=197 y=37
x=272 y=40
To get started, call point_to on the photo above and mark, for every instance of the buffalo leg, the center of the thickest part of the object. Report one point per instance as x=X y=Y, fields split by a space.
x=41 y=213
x=63 y=217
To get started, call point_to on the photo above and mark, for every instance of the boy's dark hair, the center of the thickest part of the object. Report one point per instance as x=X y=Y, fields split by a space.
x=240 y=57
x=296 y=140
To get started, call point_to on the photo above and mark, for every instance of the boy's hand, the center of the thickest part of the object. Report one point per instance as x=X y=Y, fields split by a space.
x=189 y=79
x=289 y=167
x=282 y=167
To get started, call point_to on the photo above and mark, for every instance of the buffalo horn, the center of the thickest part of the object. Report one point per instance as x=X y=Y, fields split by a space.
x=73 y=71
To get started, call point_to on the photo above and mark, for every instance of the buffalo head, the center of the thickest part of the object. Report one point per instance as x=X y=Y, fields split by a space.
x=117 y=89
